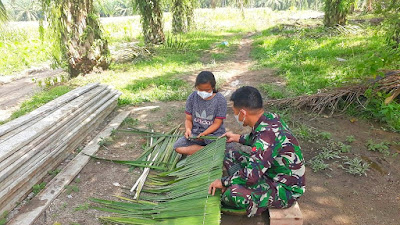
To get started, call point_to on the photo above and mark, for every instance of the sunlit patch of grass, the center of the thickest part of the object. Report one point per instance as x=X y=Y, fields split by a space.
x=274 y=91
x=21 y=49
x=40 y=99
x=311 y=59
x=158 y=78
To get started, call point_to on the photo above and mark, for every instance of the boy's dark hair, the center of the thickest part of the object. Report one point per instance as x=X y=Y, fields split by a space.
x=247 y=97
x=206 y=77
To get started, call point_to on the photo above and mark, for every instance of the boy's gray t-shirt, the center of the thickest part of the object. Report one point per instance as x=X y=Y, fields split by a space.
x=204 y=112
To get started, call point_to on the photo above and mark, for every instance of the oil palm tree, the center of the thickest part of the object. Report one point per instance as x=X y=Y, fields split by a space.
x=80 y=41
x=26 y=10
x=3 y=13
x=76 y=28
x=182 y=17
x=151 y=18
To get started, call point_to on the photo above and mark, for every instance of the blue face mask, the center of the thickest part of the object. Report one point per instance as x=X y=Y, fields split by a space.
x=204 y=94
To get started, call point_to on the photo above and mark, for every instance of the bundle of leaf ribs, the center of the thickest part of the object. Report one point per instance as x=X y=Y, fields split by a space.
x=172 y=193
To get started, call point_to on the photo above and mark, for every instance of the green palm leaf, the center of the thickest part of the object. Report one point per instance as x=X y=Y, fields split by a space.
x=182 y=193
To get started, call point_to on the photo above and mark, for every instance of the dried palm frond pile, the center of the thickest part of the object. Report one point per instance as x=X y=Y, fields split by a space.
x=177 y=196
x=329 y=99
x=128 y=52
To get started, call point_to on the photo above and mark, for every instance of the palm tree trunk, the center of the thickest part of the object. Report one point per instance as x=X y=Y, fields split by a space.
x=336 y=12
x=178 y=17
x=82 y=41
x=213 y=4
x=190 y=14
x=151 y=17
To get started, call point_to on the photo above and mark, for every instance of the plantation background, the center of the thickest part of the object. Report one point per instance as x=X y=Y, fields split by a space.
x=284 y=48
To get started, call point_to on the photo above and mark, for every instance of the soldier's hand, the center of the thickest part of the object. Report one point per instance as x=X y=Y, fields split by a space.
x=231 y=137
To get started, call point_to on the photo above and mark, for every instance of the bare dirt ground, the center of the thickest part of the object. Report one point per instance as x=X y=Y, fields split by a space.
x=332 y=196
x=14 y=91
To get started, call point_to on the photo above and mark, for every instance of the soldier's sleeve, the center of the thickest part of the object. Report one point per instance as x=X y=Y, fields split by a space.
x=261 y=159
x=245 y=139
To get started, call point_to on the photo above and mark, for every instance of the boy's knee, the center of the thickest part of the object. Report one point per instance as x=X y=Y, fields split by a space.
x=178 y=150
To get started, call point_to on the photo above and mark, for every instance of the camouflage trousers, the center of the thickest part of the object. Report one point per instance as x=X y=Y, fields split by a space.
x=255 y=198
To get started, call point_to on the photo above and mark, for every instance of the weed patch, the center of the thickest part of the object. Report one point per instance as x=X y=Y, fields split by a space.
x=381 y=147
x=355 y=166
x=38 y=187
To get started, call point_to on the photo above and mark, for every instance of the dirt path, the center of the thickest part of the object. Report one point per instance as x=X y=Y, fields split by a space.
x=332 y=196
x=14 y=92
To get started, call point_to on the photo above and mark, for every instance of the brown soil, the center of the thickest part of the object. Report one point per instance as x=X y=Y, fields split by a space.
x=14 y=92
x=332 y=196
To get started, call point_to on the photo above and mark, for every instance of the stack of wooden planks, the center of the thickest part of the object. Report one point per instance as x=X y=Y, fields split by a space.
x=38 y=142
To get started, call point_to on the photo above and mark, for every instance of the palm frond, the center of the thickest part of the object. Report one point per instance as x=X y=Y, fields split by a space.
x=3 y=13
x=181 y=194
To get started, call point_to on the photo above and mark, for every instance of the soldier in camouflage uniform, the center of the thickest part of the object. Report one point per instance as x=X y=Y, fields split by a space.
x=272 y=174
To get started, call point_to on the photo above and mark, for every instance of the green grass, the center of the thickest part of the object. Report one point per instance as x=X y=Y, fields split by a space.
x=274 y=91
x=40 y=99
x=308 y=57
x=311 y=58
x=38 y=187
x=21 y=48
x=161 y=77
x=3 y=218
x=83 y=207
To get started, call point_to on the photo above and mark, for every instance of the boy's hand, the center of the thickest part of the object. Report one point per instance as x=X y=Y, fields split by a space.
x=231 y=137
x=217 y=184
x=188 y=134
x=200 y=135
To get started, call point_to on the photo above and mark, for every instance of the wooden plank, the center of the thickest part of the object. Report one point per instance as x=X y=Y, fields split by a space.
x=53 y=135
x=24 y=188
x=289 y=216
x=9 y=146
x=39 y=157
x=62 y=179
x=48 y=107
x=22 y=192
x=29 y=123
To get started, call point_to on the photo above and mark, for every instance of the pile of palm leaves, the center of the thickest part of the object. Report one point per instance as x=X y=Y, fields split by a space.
x=330 y=98
x=179 y=195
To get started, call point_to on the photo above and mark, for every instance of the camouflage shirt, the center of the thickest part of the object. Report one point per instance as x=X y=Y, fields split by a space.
x=275 y=157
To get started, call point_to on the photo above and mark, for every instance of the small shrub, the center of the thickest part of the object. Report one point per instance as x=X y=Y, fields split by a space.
x=328 y=153
x=317 y=164
x=71 y=188
x=38 y=187
x=382 y=147
x=355 y=166
x=350 y=139
x=345 y=148
x=326 y=135
x=3 y=218
x=53 y=173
